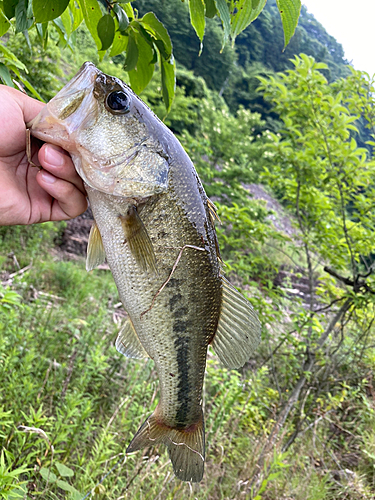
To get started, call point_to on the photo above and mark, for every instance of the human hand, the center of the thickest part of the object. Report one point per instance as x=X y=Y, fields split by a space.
x=29 y=195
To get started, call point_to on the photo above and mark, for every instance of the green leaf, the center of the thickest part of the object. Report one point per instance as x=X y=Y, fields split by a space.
x=106 y=31
x=27 y=84
x=64 y=471
x=223 y=10
x=4 y=23
x=24 y=16
x=65 y=486
x=247 y=11
x=211 y=10
x=48 y=475
x=5 y=75
x=92 y=15
x=120 y=42
x=129 y=10
x=131 y=53
x=17 y=493
x=146 y=35
x=47 y=10
x=76 y=495
x=77 y=14
x=142 y=73
x=122 y=18
x=289 y=12
x=152 y=24
x=9 y=56
x=9 y=296
x=42 y=30
x=197 y=18
x=67 y=21
x=10 y=8
x=59 y=25
x=168 y=81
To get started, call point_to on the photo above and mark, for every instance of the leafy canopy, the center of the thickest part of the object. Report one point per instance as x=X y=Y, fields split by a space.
x=117 y=28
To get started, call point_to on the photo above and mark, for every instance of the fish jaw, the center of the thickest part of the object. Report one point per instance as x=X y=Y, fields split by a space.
x=57 y=120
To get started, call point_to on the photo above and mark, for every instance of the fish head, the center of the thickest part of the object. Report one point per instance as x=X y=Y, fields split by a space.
x=115 y=140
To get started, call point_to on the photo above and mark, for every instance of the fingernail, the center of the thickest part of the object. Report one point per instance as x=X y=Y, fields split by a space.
x=47 y=177
x=54 y=156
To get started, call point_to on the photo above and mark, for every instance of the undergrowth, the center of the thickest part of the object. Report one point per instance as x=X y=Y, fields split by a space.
x=70 y=404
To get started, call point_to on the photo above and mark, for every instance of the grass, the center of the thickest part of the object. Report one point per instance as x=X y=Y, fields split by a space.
x=70 y=403
x=69 y=399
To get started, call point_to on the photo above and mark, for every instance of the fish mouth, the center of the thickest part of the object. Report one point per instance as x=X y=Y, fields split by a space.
x=59 y=114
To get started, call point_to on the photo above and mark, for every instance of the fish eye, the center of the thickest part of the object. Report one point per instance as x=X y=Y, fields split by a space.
x=118 y=102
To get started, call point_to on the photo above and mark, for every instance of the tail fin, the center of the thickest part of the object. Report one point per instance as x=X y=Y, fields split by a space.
x=185 y=447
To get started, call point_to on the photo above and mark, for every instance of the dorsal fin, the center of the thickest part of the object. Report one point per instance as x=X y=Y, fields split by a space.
x=95 y=249
x=138 y=240
x=128 y=343
x=212 y=211
x=238 y=331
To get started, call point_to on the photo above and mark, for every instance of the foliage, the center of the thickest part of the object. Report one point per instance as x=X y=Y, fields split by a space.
x=283 y=430
x=43 y=64
x=270 y=430
x=327 y=183
x=9 y=488
x=27 y=241
x=81 y=401
x=213 y=64
x=260 y=52
x=311 y=38
x=226 y=149
x=319 y=171
x=358 y=93
x=117 y=28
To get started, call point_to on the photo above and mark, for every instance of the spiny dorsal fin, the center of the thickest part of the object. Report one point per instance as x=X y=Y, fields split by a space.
x=128 y=343
x=185 y=447
x=238 y=332
x=213 y=213
x=138 y=240
x=95 y=249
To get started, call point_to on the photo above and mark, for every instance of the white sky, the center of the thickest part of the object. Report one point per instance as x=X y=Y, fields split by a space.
x=352 y=23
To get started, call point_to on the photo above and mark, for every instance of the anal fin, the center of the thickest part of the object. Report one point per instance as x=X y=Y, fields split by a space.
x=185 y=446
x=95 y=249
x=128 y=343
x=138 y=240
x=238 y=331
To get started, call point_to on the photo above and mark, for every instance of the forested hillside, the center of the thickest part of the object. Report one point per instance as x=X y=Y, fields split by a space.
x=294 y=193
x=259 y=50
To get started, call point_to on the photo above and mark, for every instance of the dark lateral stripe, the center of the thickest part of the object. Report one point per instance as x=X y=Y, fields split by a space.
x=183 y=395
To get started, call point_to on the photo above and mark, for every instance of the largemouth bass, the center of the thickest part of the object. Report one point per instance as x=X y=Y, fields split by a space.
x=155 y=225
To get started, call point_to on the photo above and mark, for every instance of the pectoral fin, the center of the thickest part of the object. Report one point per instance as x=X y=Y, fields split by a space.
x=138 y=240
x=95 y=249
x=128 y=343
x=238 y=332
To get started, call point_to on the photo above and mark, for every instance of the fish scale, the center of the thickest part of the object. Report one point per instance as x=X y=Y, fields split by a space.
x=185 y=344
x=155 y=225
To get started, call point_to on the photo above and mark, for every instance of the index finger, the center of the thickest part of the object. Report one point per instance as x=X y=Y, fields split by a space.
x=30 y=107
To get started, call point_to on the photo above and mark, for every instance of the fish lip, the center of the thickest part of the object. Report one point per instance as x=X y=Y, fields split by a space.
x=83 y=81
